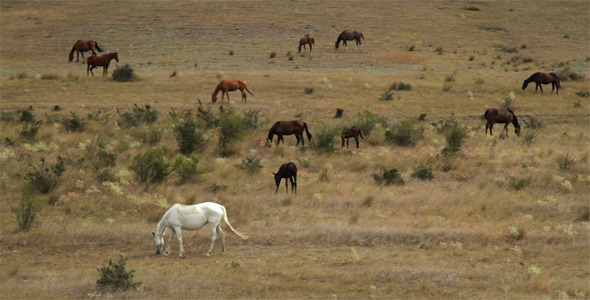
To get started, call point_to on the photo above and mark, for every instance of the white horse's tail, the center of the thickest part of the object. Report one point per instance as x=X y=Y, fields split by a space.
x=229 y=225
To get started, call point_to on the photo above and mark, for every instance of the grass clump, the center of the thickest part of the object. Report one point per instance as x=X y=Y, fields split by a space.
x=74 y=123
x=564 y=162
x=124 y=73
x=44 y=178
x=567 y=74
x=115 y=276
x=151 y=167
x=405 y=133
x=386 y=96
x=388 y=177
x=400 y=86
x=28 y=208
x=423 y=172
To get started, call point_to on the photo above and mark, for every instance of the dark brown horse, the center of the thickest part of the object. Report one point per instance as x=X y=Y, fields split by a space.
x=502 y=115
x=102 y=61
x=289 y=172
x=348 y=35
x=543 y=78
x=226 y=86
x=295 y=127
x=306 y=40
x=82 y=46
x=352 y=132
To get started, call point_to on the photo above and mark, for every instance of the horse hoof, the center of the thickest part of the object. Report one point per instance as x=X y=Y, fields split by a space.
x=165 y=254
x=208 y=254
x=181 y=255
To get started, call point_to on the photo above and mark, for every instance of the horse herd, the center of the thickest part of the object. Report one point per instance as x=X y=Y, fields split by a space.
x=193 y=217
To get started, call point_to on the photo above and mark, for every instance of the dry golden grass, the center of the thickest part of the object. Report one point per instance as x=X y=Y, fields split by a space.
x=499 y=220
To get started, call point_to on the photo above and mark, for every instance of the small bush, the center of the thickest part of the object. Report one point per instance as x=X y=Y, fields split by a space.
x=124 y=74
x=423 y=172
x=454 y=133
x=308 y=91
x=439 y=50
x=30 y=130
x=368 y=121
x=28 y=209
x=339 y=113
x=189 y=140
x=74 y=123
x=273 y=54
x=206 y=116
x=515 y=234
x=583 y=94
x=404 y=133
x=411 y=48
x=115 y=276
x=387 y=177
x=26 y=115
x=231 y=127
x=44 y=178
x=187 y=169
x=151 y=166
x=386 y=96
x=564 y=162
x=533 y=123
x=50 y=77
x=137 y=117
x=518 y=183
x=567 y=74
x=250 y=120
x=324 y=139
x=250 y=164
x=472 y=8
x=400 y=86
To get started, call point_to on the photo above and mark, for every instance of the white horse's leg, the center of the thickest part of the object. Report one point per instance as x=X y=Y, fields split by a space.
x=222 y=235
x=169 y=241
x=213 y=238
x=179 y=233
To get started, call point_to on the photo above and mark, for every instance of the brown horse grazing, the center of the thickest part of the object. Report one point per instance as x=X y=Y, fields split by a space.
x=306 y=40
x=82 y=46
x=226 y=86
x=287 y=171
x=348 y=35
x=502 y=115
x=295 y=127
x=352 y=132
x=102 y=61
x=544 y=78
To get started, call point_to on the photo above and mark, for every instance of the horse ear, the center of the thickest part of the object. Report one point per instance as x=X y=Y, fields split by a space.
x=153 y=233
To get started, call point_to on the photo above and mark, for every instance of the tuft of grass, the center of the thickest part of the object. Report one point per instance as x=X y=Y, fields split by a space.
x=115 y=276
x=514 y=233
x=50 y=77
x=400 y=86
x=423 y=172
x=564 y=162
x=405 y=133
x=272 y=54
x=388 y=177
x=28 y=208
x=386 y=96
x=308 y=91
x=250 y=164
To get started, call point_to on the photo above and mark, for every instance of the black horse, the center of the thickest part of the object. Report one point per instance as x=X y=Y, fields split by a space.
x=287 y=171
x=544 y=78
x=348 y=35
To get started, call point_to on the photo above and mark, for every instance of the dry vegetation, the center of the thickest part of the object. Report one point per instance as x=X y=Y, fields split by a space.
x=502 y=218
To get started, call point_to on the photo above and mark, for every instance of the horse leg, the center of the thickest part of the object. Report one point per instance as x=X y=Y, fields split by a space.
x=356 y=139
x=506 y=128
x=222 y=236
x=295 y=182
x=487 y=126
x=172 y=233
x=243 y=96
x=491 y=126
x=213 y=238
x=287 y=184
x=277 y=190
x=309 y=47
x=292 y=185
x=343 y=142
x=179 y=233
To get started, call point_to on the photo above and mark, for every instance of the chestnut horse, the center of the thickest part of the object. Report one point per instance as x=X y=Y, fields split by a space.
x=348 y=35
x=502 y=115
x=543 y=78
x=226 y=86
x=306 y=40
x=352 y=132
x=295 y=127
x=102 y=61
x=82 y=46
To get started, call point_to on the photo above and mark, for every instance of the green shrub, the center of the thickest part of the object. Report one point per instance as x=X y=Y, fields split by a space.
x=28 y=209
x=187 y=169
x=188 y=138
x=250 y=119
x=44 y=178
x=423 y=172
x=74 y=123
x=518 y=183
x=250 y=164
x=323 y=140
x=532 y=124
x=30 y=130
x=583 y=94
x=26 y=115
x=567 y=74
x=231 y=127
x=339 y=113
x=400 y=86
x=138 y=116
x=115 y=276
x=404 y=133
x=386 y=96
x=308 y=90
x=368 y=121
x=454 y=133
x=387 y=177
x=124 y=73
x=151 y=166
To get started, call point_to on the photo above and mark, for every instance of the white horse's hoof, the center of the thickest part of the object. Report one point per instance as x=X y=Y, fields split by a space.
x=165 y=254
x=208 y=254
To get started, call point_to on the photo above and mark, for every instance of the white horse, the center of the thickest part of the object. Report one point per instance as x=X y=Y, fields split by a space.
x=192 y=217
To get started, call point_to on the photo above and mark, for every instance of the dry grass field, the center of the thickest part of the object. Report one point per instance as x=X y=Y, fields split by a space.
x=504 y=217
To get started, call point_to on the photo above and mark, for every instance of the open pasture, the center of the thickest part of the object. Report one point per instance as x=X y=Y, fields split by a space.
x=501 y=218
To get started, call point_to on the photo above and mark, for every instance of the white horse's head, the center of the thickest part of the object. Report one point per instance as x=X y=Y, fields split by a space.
x=159 y=242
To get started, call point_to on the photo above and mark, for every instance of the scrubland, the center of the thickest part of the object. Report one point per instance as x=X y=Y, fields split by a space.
x=503 y=217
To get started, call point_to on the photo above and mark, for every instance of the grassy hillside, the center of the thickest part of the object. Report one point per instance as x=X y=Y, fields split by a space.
x=503 y=217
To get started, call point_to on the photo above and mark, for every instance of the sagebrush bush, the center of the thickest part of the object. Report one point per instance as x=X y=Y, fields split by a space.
x=188 y=138
x=367 y=121
x=206 y=116
x=26 y=115
x=231 y=128
x=400 y=86
x=423 y=172
x=454 y=133
x=44 y=178
x=115 y=276
x=187 y=168
x=387 y=177
x=250 y=120
x=151 y=167
x=250 y=164
x=74 y=123
x=138 y=117
x=124 y=73
x=30 y=130
x=567 y=74
x=404 y=133
x=323 y=140
x=28 y=208
x=564 y=162
x=386 y=96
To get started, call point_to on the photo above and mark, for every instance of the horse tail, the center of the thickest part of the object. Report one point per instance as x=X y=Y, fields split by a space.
x=230 y=227
x=97 y=47
x=307 y=131
x=246 y=87
x=363 y=36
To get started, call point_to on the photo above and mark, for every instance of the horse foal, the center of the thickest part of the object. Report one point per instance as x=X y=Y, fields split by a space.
x=289 y=172
x=352 y=132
